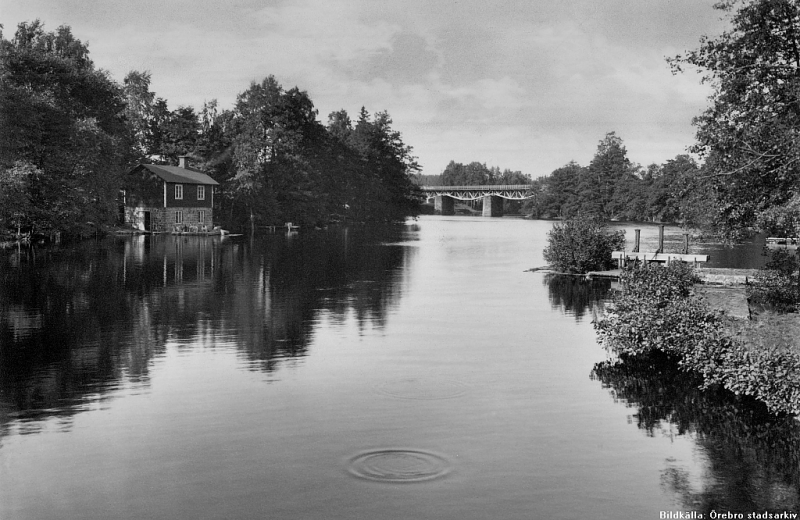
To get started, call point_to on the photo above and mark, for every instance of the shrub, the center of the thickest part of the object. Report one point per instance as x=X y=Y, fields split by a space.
x=658 y=285
x=582 y=244
x=777 y=284
x=655 y=311
x=769 y=376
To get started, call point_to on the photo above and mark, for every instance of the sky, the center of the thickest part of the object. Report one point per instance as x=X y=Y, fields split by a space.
x=527 y=85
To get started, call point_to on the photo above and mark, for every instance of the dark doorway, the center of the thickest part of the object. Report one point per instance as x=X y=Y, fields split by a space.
x=147 y=221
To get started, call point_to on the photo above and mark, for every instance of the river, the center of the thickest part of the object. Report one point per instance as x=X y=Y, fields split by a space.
x=412 y=371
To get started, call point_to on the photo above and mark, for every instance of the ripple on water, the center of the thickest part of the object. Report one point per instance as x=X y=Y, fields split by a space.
x=399 y=465
x=422 y=389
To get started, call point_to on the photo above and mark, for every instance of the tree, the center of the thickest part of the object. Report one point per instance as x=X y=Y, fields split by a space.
x=671 y=200
x=749 y=133
x=15 y=203
x=63 y=117
x=472 y=174
x=389 y=167
x=339 y=125
x=509 y=177
x=179 y=134
x=255 y=148
x=139 y=112
x=560 y=191
x=608 y=168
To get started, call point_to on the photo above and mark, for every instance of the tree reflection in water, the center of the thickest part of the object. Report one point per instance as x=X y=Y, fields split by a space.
x=576 y=295
x=753 y=456
x=77 y=322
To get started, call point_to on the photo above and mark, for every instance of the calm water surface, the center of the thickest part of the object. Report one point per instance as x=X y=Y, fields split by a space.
x=402 y=372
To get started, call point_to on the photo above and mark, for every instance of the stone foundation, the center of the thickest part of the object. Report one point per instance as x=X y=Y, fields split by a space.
x=444 y=205
x=492 y=206
x=163 y=219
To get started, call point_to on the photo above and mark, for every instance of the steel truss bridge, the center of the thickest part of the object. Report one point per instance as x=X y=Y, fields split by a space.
x=510 y=192
x=492 y=196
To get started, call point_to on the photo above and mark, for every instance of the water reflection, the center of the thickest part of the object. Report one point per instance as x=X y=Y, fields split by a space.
x=753 y=458
x=78 y=322
x=53 y=349
x=576 y=295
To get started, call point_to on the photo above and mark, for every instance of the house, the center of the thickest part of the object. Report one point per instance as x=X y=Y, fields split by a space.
x=168 y=198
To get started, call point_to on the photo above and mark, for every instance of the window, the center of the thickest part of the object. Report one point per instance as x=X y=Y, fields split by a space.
x=179 y=192
x=179 y=217
x=201 y=193
x=201 y=216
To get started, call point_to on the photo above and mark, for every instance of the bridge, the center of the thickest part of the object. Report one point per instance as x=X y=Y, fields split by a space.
x=492 y=195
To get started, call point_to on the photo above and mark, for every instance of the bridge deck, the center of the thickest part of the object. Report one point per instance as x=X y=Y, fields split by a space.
x=488 y=187
x=510 y=191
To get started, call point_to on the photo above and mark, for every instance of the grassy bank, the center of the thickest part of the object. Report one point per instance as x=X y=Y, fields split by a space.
x=657 y=309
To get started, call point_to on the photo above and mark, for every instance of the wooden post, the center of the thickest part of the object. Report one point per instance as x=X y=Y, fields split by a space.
x=660 y=239
x=636 y=240
x=686 y=243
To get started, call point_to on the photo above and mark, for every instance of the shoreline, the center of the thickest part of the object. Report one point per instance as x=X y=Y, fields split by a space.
x=712 y=328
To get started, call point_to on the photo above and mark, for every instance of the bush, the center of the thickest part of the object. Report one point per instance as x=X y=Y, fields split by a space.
x=655 y=311
x=777 y=284
x=582 y=244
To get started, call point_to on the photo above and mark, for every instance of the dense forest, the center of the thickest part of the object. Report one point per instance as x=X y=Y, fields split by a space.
x=69 y=133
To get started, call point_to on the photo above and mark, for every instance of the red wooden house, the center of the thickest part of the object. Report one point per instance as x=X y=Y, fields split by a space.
x=168 y=198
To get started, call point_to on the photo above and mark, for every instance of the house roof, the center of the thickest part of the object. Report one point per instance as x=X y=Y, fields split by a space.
x=178 y=174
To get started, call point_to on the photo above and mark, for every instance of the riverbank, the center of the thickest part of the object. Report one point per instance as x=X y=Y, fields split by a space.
x=665 y=309
x=768 y=332
x=753 y=325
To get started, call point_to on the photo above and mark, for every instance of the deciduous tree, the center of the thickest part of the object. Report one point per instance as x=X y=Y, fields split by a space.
x=64 y=118
x=749 y=133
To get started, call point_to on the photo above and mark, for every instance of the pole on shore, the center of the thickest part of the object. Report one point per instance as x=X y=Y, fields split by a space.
x=636 y=240
x=660 y=239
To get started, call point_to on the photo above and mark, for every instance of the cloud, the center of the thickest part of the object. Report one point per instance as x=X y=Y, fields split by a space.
x=488 y=94
x=323 y=32
x=518 y=84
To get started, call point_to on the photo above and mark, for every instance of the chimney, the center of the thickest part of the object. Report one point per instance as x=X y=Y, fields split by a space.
x=183 y=161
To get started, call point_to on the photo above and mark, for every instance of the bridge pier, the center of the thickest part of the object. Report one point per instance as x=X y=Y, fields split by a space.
x=444 y=205
x=492 y=206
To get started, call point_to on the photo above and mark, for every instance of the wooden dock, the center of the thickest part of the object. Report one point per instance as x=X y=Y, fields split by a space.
x=622 y=257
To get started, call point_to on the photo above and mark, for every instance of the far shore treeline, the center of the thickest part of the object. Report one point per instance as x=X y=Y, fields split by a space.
x=611 y=187
x=69 y=133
